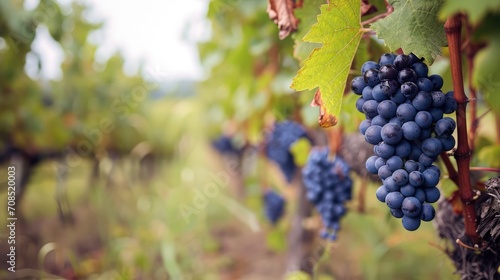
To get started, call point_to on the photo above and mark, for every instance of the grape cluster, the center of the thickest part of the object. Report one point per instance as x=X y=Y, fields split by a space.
x=328 y=187
x=274 y=206
x=224 y=145
x=278 y=146
x=404 y=110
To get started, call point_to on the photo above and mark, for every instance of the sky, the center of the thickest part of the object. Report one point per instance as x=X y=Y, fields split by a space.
x=160 y=33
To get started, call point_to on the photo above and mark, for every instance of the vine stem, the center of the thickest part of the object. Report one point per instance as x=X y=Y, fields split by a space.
x=470 y=53
x=390 y=9
x=462 y=155
x=488 y=169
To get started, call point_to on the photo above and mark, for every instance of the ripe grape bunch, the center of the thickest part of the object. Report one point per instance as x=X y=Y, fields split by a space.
x=404 y=121
x=274 y=206
x=224 y=145
x=278 y=146
x=328 y=187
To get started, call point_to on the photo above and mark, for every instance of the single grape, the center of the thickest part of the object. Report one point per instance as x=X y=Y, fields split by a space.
x=447 y=142
x=410 y=223
x=407 y=75
x=370 y=108
x=450 y=104
x=400 y=176
x=416 y=178
x=394 y=200
x=364 y=125
x=370 y=165
x=423 y=119
x=371 y=77
x=390 y=184
x=411 y=130
x=411 y=165
x=367 y=93
x=424 y=84
x=357 y=85
x=389 y=87
x=401 y=61
x=432 y=147
x=372 y=134
x=379 y=120
x=381 y=193
x=378 y=94
x=438 y=99
x=391 y=133
x=384 y=172
x=444 y=127
x=411 y=207
x=414 y=58
x=407 y=190
x=369 y=65
x=427 y=213
x=431 y=194
x=406 y=112
x=409 y=90
x=387 y=109
x=379 y=162
x=431 y=178
x=420 y=195
x=386 y=58
x=421 y=69
x=403 y=149
x=394 y=163
x=396 y=213
x=359 y=104
x=437 y=81
x=426 y=160
x=385 y=150
x=398 y=97
x=387 y=72
x=422 y=101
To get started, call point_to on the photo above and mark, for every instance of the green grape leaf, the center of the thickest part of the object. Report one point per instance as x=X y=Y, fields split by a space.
x=339 y=30
x=489 y=155
x=307 y=16
x=486 y=75
x=476 y=10
x=413 y=27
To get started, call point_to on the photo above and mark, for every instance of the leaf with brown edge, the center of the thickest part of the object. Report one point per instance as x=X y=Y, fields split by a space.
x=324 y=119
x=338 y=30
x=281 y=12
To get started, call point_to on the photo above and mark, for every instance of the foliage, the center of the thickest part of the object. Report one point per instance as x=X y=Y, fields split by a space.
x=413 y=27
x=131 y=208
x=339 y=30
